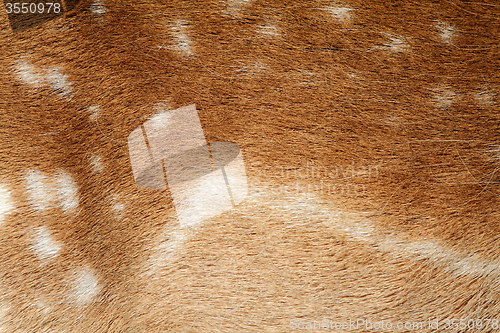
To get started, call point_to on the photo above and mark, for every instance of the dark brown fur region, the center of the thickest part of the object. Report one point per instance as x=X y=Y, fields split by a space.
x=369 y=134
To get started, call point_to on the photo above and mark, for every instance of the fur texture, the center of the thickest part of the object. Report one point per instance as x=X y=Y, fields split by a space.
x=369 y=133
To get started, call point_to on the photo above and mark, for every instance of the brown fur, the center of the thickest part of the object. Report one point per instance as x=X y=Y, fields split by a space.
x=323 y=97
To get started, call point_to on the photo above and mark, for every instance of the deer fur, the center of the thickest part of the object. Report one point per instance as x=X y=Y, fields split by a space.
x=369 y=134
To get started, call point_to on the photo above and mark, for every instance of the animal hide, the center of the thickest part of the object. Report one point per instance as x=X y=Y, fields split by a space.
x=250 y=166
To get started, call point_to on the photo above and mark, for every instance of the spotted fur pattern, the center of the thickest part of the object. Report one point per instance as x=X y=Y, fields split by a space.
x=369 y=134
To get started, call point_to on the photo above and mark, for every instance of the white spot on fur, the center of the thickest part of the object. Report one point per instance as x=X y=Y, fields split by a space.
x=341 y=14
x=446 y=32
x=361 y=231
x=94 y=111
x=67 y=191
x=162 y=107
x=45 y=192
x=312 y=211
x=485 y=97
x=44 y=245
x=396 y=44
x=96 y=163
x=117 y=206
x=183 y=44
x=453 y=262
x=29 y=74
x=98 y=7
x=443 y=96
x=269 y=29
x=40 y=193
x=85 y=287
x=234 y=7
x=6 y=203
x=58 y=81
